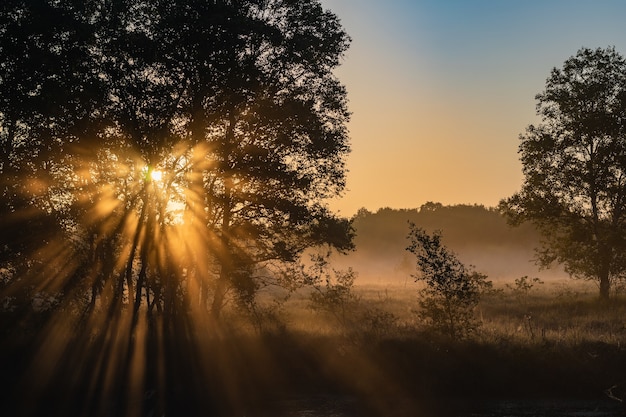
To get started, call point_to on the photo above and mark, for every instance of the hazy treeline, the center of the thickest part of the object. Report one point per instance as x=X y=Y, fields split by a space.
x=479 y=235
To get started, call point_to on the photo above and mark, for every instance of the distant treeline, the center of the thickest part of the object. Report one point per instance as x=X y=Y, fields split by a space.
x=479 y=235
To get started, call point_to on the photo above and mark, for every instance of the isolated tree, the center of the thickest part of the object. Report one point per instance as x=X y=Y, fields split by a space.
x=574 y=165
x=452 y=290
x=184 y=148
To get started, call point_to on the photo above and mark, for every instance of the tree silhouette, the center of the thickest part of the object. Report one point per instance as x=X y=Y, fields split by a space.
x=168 y=150
x=159 y=160
x=452 y=290
x=574 y=167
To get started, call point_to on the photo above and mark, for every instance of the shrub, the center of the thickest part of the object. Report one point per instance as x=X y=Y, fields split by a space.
x=452 y=290
x=332 y=290
x=522 y=288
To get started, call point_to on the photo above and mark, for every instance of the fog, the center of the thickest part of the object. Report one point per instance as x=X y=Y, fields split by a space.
x=479 y=236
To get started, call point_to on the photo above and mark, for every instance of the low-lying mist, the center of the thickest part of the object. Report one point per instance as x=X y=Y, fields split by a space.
x=479 y=236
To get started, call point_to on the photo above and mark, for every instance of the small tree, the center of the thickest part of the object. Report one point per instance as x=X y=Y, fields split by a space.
x=334 y=297
x=452 y=290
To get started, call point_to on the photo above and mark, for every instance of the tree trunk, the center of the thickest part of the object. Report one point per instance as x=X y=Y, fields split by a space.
x=225 y=258
x=218 y=297
x=605 y=269
x=605 y=286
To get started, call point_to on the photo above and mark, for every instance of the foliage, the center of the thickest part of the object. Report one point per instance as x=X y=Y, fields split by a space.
x=467 y=228
x=522 y=287
x=168 y=151
x=479 y=235
x=377 y=324
x=333 y=290
x=159 y=160
x=452 y=290
x=335 y=296
x=574 y=168
x=464 y=226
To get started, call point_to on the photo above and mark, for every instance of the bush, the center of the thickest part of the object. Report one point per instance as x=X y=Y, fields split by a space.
x=522 y=288
x=332 y=290
x=452 y=290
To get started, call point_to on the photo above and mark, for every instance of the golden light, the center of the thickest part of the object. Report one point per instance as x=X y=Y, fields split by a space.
x=150 y=211
x=151 y=174
x=156 y=175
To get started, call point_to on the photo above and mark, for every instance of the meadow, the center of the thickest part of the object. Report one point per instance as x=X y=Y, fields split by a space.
x=560 y=312
x=538 y=341
x=367 y=355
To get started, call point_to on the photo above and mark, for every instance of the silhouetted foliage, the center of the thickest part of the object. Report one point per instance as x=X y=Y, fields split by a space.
x=335 y=297
x=159 y=159
x=574 y=163
x=333 y=290
x=155 y=149
x=522 y=287
x=464 y=226
x=452 y=290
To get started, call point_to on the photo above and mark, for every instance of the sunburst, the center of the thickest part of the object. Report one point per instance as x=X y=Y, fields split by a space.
x=156 y=175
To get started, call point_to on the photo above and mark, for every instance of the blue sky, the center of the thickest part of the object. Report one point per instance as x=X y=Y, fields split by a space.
x=441 y=90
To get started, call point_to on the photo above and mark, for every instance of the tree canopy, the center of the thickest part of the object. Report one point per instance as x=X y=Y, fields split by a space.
x=161 y=151
x=574 y=165
x=160 y=159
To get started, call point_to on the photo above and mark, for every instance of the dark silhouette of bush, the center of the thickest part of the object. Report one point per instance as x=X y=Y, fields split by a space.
x=452 y=290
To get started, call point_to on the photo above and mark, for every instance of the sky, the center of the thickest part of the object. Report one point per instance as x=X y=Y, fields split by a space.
x=440 y=91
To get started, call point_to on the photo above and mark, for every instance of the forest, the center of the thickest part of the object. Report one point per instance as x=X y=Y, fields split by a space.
x=167 y=246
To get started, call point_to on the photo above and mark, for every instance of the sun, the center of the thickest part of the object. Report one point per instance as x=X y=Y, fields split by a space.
x=156 y=175
x=152 y=174
x=167 y=191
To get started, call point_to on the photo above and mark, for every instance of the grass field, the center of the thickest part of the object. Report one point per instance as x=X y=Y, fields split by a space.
x=369 y=355
x=561 y=312
x=550 y=339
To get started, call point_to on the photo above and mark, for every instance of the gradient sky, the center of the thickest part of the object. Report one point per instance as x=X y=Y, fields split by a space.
x=441 y=89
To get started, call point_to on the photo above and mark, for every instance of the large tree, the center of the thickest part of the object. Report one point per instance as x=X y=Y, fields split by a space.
x=159 y=159
x=186 y=149
x=574 y=165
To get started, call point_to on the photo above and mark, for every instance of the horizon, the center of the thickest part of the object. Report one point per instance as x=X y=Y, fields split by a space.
x=418 y=207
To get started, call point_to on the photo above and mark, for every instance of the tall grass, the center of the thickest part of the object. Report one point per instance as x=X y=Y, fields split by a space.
x=554 y=340
x=560 y=313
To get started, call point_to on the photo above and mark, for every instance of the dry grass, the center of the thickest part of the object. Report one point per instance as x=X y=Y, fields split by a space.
x=562 y=313
x=559 y=312
x=555 y=341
